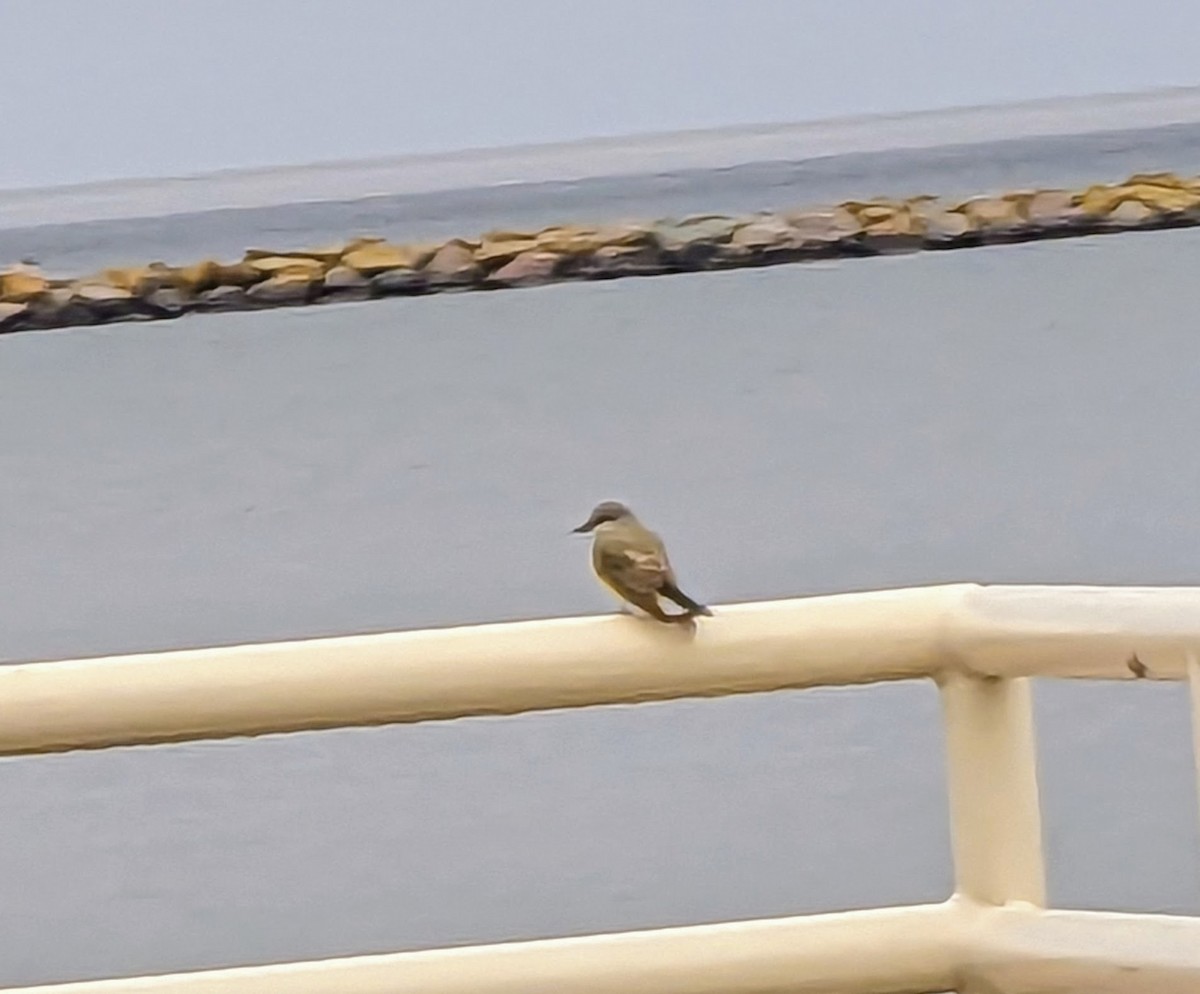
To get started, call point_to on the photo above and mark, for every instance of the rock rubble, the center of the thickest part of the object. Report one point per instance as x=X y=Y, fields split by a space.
x=368 y=267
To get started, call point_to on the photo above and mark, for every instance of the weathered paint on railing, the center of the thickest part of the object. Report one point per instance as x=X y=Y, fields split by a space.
x=979 y=643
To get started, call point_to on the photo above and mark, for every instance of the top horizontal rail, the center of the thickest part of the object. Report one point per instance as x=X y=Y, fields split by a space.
x=1013 y=631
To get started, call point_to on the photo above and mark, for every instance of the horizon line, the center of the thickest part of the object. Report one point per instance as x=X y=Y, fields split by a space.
x=650 y=153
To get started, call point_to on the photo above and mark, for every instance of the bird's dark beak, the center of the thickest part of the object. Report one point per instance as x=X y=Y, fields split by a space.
x=586 y=527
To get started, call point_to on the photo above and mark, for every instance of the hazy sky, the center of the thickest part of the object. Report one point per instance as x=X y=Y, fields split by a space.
x=92 y=89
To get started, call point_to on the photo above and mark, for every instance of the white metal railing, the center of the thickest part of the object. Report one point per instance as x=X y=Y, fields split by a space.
x=980 y=644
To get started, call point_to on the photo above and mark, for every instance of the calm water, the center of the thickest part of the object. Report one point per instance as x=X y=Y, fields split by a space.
x=966 y=163
x=1023 y=414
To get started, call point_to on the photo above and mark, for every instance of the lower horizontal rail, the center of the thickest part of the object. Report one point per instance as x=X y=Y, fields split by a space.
x=957 y=946
x=1028 y=951
x=909 y=950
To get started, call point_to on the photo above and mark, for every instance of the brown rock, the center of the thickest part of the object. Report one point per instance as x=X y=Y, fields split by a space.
x=223 y=298
x=1099 y=199
x=166 y=302
x=1130 y=213
x=715 y=224
x=527 y=269
x=1103 y=200
x=286 y=288
x=581 y=241
x=719 y=256
x=501 y=245
x=506 y=235
x=398 y=281
x=889 y=225
x=902 y=222
x=374 y=257
x=289 y=266
x=944 y=226
x=815 y=229
x=568 y=241
x=99 y=293
x=199 y=276
x=890 y=217
x=102 y=300
x=310 y=270
x=345 y=280
x=1163 y=198
x=1051 y=208
x=51 y=299
x=453 y=264
x=57 y=307
x=991 y=214
x=160 y=274
x=238 y=274
x=628 y=233
x=711 y=228
x=499 y=250
x=1166 y=180
x=766 y=234
x=11 y=315
x=1020 y=201
x=325 y=254
x=891 y=229
x=21 y=283
x=871 y=214
x=612 y=261
x=699 y=242
x=136 y=279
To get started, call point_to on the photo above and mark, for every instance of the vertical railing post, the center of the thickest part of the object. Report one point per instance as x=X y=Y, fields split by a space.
x=1193 y=675
x=994 y=812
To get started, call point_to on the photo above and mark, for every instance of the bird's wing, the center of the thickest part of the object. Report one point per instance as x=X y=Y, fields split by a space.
x=637 y=567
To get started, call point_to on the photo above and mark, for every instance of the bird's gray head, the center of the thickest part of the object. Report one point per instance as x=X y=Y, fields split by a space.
x=609 y=510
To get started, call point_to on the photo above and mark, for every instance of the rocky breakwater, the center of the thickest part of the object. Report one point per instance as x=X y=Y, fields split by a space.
x=365 y=268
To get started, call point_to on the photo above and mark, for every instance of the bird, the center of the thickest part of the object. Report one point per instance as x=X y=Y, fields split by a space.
x=632 y=561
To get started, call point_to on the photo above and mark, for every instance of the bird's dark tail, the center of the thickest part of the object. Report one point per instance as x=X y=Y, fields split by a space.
x=672 y=592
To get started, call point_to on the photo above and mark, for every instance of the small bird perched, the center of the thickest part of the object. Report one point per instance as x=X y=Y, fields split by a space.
x=632 y=561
